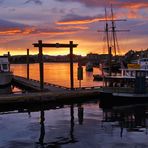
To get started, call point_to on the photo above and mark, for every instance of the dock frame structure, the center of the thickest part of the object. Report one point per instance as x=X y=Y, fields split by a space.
x=40 y=45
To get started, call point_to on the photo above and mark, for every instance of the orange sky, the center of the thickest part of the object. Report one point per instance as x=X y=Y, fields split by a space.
x=23 y=23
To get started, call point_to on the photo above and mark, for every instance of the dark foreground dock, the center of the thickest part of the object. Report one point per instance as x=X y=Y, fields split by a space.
x=42 y=97
x=50 y=93
x=59 y=94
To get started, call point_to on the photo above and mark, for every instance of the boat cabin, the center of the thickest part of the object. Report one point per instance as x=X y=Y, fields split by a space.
x=143 y=63
x=4 y=64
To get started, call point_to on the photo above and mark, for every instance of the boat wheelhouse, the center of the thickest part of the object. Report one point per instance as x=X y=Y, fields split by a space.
x=5 y=74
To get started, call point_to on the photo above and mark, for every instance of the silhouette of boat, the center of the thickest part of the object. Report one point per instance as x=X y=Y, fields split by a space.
x=89 y=67
x=5 y=73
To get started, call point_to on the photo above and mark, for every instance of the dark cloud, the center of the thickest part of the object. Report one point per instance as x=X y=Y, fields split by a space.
x=135 y=4
x=9 y=24
x=76 y=19
x=12 y=28
x=38 y=2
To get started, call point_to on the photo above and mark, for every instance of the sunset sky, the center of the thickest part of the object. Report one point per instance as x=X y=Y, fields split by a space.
x=24 y=22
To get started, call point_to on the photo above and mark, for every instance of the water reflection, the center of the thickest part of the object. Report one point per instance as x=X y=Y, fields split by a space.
x=42 y=131
x=61 y=141
x=51 y=74
x=80 y=114
x=77 y=125
x=133 y=118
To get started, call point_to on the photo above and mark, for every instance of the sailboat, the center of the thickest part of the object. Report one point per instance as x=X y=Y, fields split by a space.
x=112 y=64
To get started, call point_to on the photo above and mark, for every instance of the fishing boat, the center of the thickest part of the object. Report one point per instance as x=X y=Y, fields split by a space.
x=5 y=73
x=130 y=85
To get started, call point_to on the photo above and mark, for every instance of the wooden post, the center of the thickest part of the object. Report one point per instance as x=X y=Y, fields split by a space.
x=71 y=66
x=41 y=65
x=28 y=64
x=9 y=56
x=40 y=45
x=9 y=59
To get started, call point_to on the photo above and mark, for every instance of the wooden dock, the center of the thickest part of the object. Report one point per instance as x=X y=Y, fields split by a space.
x=50 y=93
x=59 y=94
x=35 y=85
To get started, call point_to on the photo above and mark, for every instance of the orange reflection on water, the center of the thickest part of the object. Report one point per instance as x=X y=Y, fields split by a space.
x=57 y=73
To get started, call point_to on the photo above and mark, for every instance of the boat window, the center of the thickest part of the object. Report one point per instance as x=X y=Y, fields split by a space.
x=5 y=66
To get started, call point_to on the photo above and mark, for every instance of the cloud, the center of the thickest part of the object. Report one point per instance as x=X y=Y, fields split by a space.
x=38 y=2
x=9 y=24
x=65 y=27
x=8 y=28
x=135 y=4
x=76 y=19
x=12 y=28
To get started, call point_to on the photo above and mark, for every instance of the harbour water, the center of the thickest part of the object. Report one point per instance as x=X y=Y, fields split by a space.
x=88 y=124
x=57 y=73
x=78 y=125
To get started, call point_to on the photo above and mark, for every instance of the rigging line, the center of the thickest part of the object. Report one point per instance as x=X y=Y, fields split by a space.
x=117 y=44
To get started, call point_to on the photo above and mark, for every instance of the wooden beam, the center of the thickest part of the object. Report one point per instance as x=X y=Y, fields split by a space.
x=56 y=45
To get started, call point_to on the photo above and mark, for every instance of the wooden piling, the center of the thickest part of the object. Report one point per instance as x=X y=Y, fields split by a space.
x=41 y=65
x=28 y=64
x=71 y=66
x=9 y=58
x=40 y=45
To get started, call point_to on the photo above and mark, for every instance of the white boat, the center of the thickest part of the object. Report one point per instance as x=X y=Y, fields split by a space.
x=5 y=74
x=130 y=71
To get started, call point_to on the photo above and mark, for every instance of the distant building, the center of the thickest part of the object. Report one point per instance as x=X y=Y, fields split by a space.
x=95 y=59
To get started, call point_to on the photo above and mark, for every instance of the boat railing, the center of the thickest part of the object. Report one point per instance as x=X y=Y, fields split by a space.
x=118 y=89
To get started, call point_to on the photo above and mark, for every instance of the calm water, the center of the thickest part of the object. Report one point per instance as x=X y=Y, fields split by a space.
x=75 y=126
x=71 y=126
x=57 y=73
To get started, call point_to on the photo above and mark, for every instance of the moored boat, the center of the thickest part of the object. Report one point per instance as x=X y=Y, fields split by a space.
x=89 y=67
x=5 y=73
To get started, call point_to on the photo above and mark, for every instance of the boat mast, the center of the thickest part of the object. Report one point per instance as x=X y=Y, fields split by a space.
x=107 y=30
x=113 y=31
x=108 y=44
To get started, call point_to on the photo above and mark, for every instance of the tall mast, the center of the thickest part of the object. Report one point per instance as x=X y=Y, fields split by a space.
x=107 y=30
x=113 y=30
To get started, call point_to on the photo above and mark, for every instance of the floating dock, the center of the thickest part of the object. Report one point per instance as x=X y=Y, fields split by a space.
x=50 y=93
x=59 y=94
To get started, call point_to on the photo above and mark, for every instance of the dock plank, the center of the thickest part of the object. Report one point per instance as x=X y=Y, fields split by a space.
x=35 y=85
x=48 y=96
